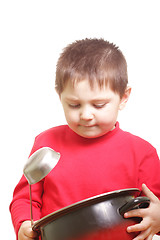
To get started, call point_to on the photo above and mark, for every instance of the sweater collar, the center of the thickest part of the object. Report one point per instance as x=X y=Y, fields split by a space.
x=77 y=138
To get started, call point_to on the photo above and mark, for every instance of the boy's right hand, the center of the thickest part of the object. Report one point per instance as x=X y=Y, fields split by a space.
x=26 y=232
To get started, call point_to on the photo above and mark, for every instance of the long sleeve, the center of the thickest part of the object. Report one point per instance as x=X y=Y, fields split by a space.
x=149 y=171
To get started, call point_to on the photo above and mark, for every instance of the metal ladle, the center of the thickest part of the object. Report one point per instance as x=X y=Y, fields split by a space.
x=39 y=164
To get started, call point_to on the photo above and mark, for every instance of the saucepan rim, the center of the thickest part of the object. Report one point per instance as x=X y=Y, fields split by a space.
x=84 y=203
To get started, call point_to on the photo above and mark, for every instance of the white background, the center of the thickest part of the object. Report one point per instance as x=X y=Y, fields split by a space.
x=32 y=34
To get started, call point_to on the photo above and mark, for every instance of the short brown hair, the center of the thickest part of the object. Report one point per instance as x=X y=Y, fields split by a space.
x=95 y=60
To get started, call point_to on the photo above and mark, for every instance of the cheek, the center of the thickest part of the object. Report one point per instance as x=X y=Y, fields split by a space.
x=109 y=114
x=71 y=116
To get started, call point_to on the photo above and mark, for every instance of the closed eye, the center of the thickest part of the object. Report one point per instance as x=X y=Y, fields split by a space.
x=99 y=105
x=74 y=105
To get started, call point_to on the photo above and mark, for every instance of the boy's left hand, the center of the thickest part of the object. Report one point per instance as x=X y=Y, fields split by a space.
x=150 y=224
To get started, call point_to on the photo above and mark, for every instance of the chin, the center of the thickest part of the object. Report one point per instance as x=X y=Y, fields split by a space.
x=91 y=135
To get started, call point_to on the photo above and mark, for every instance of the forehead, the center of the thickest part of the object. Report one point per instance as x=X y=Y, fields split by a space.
x=83 y=90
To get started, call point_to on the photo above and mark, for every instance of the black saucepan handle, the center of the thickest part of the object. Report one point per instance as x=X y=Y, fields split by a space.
x=139 y=202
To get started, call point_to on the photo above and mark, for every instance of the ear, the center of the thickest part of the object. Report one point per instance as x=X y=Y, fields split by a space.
x=125 y=98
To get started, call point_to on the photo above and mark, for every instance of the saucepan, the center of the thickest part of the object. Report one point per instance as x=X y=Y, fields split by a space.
x=96 y=218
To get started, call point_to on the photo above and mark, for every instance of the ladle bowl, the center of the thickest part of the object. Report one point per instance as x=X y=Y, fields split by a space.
x=40 y=163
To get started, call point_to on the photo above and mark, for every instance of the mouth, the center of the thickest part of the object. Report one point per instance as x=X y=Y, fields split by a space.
x=88 y=126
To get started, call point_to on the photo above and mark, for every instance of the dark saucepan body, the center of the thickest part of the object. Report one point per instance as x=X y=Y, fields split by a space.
x=96 y=218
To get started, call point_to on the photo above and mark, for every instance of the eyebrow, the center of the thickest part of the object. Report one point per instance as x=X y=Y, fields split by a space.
x=101 y=99
x=92 y=100
x=72 y=99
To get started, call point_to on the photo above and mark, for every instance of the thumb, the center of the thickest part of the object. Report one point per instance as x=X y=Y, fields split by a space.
x=148 y=193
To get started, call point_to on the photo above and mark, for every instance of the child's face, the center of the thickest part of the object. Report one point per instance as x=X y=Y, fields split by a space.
x=91 y=112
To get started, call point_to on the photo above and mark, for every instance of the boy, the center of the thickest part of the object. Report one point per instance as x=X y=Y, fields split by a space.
x=96 y=155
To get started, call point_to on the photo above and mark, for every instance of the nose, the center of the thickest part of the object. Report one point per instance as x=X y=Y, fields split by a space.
x=86 y=114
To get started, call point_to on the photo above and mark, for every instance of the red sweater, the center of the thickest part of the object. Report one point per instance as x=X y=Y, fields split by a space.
x=87 y=167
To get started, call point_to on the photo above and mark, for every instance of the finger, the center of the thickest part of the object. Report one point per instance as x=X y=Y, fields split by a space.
x=148 y=193
x=135 y=213
x=30 y=233
x=137 y=228
x=34 y=234
x=24 y=237
x=150 y=237
x=145 y=235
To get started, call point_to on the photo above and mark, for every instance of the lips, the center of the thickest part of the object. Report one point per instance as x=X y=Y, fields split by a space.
x=89 y=126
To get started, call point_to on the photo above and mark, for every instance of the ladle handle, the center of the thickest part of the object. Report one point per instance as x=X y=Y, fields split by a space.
x=139 y=202
x=31 y=212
